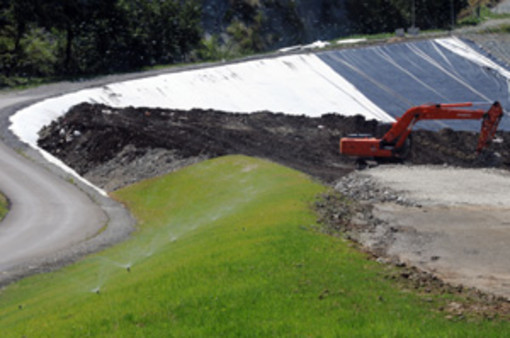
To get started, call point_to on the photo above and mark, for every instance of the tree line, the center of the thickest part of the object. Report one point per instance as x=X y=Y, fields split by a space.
x=375 y=16
x=42 y=38
x=70 y=38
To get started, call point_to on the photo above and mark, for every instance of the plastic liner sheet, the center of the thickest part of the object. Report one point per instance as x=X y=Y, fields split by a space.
x=398 y=76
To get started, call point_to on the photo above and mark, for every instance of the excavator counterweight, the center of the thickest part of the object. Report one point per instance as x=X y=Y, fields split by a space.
x=392 y=145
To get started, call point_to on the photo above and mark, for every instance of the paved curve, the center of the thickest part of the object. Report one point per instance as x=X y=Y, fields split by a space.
x=51 y=221
x=48 y=214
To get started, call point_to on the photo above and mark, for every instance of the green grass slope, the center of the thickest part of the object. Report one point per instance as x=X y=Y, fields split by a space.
x=4 y=206
x=225 y=248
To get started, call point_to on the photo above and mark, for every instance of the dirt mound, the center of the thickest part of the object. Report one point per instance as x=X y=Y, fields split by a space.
x=113 y=147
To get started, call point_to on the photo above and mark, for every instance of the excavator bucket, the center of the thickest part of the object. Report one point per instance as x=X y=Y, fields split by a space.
x=489 y=126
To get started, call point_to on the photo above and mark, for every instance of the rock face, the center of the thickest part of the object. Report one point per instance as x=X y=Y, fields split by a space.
x=113 y=147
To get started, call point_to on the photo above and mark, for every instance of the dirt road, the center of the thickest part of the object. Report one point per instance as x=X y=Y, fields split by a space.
x=503 y=7
x=455 y=223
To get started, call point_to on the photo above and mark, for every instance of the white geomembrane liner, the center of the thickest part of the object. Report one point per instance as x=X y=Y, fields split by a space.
x=297 y=84
x=459 y=47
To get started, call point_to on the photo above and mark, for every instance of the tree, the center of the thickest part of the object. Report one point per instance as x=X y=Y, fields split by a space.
x=374 y=16
x=73 y=18
x=437 y=14
x=15 y=18
x=161 y=31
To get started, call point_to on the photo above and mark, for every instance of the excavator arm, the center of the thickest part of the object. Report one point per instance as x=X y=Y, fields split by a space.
x=489 y=126
x=393 y=142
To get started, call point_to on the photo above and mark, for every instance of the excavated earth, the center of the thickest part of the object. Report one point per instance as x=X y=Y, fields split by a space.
x=114 y=147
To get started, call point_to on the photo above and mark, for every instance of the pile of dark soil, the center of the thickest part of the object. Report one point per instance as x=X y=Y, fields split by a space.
x=113 y=147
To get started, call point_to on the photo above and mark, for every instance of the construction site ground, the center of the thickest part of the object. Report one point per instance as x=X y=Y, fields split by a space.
x=444 y=211
x=452 y=222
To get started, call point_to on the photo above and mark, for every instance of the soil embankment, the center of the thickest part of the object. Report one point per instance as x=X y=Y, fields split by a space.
x=113 y=147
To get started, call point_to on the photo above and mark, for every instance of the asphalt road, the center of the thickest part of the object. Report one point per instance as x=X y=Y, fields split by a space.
x=48 y=214
x=52 y=222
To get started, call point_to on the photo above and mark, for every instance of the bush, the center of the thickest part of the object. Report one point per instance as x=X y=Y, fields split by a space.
x=39 y=53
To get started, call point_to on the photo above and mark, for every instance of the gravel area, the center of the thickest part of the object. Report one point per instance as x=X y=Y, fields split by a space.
x=502 y=8
x=444 y=185
x=450 y=222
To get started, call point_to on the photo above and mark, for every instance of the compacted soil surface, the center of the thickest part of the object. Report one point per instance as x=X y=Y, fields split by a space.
x=113 y=147
x=450 y=221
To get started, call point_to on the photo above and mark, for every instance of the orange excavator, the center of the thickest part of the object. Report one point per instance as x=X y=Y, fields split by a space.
x=395 y=143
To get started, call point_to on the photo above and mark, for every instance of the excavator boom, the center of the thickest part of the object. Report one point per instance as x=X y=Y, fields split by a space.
x=392 y=143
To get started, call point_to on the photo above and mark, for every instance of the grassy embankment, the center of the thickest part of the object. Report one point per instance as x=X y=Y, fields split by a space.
x=4 y=206
x=228 y=247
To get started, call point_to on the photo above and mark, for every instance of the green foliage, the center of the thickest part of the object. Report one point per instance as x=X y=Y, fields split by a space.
x=161 y=32
x=479 y=12
x=78 y=37
x=499 y=29
x=246 y=39
x=245 y=28
x=470 y=21
x=227 y=248
x=375 y=16
x=39 y=51
x=210 y=49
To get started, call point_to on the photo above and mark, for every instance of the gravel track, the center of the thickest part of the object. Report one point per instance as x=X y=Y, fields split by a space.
x=502 y=7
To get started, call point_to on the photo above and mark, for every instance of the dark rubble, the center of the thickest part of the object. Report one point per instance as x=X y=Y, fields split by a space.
x=113 y=147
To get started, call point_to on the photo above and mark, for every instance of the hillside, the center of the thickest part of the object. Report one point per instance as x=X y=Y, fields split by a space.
x=231 y=248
